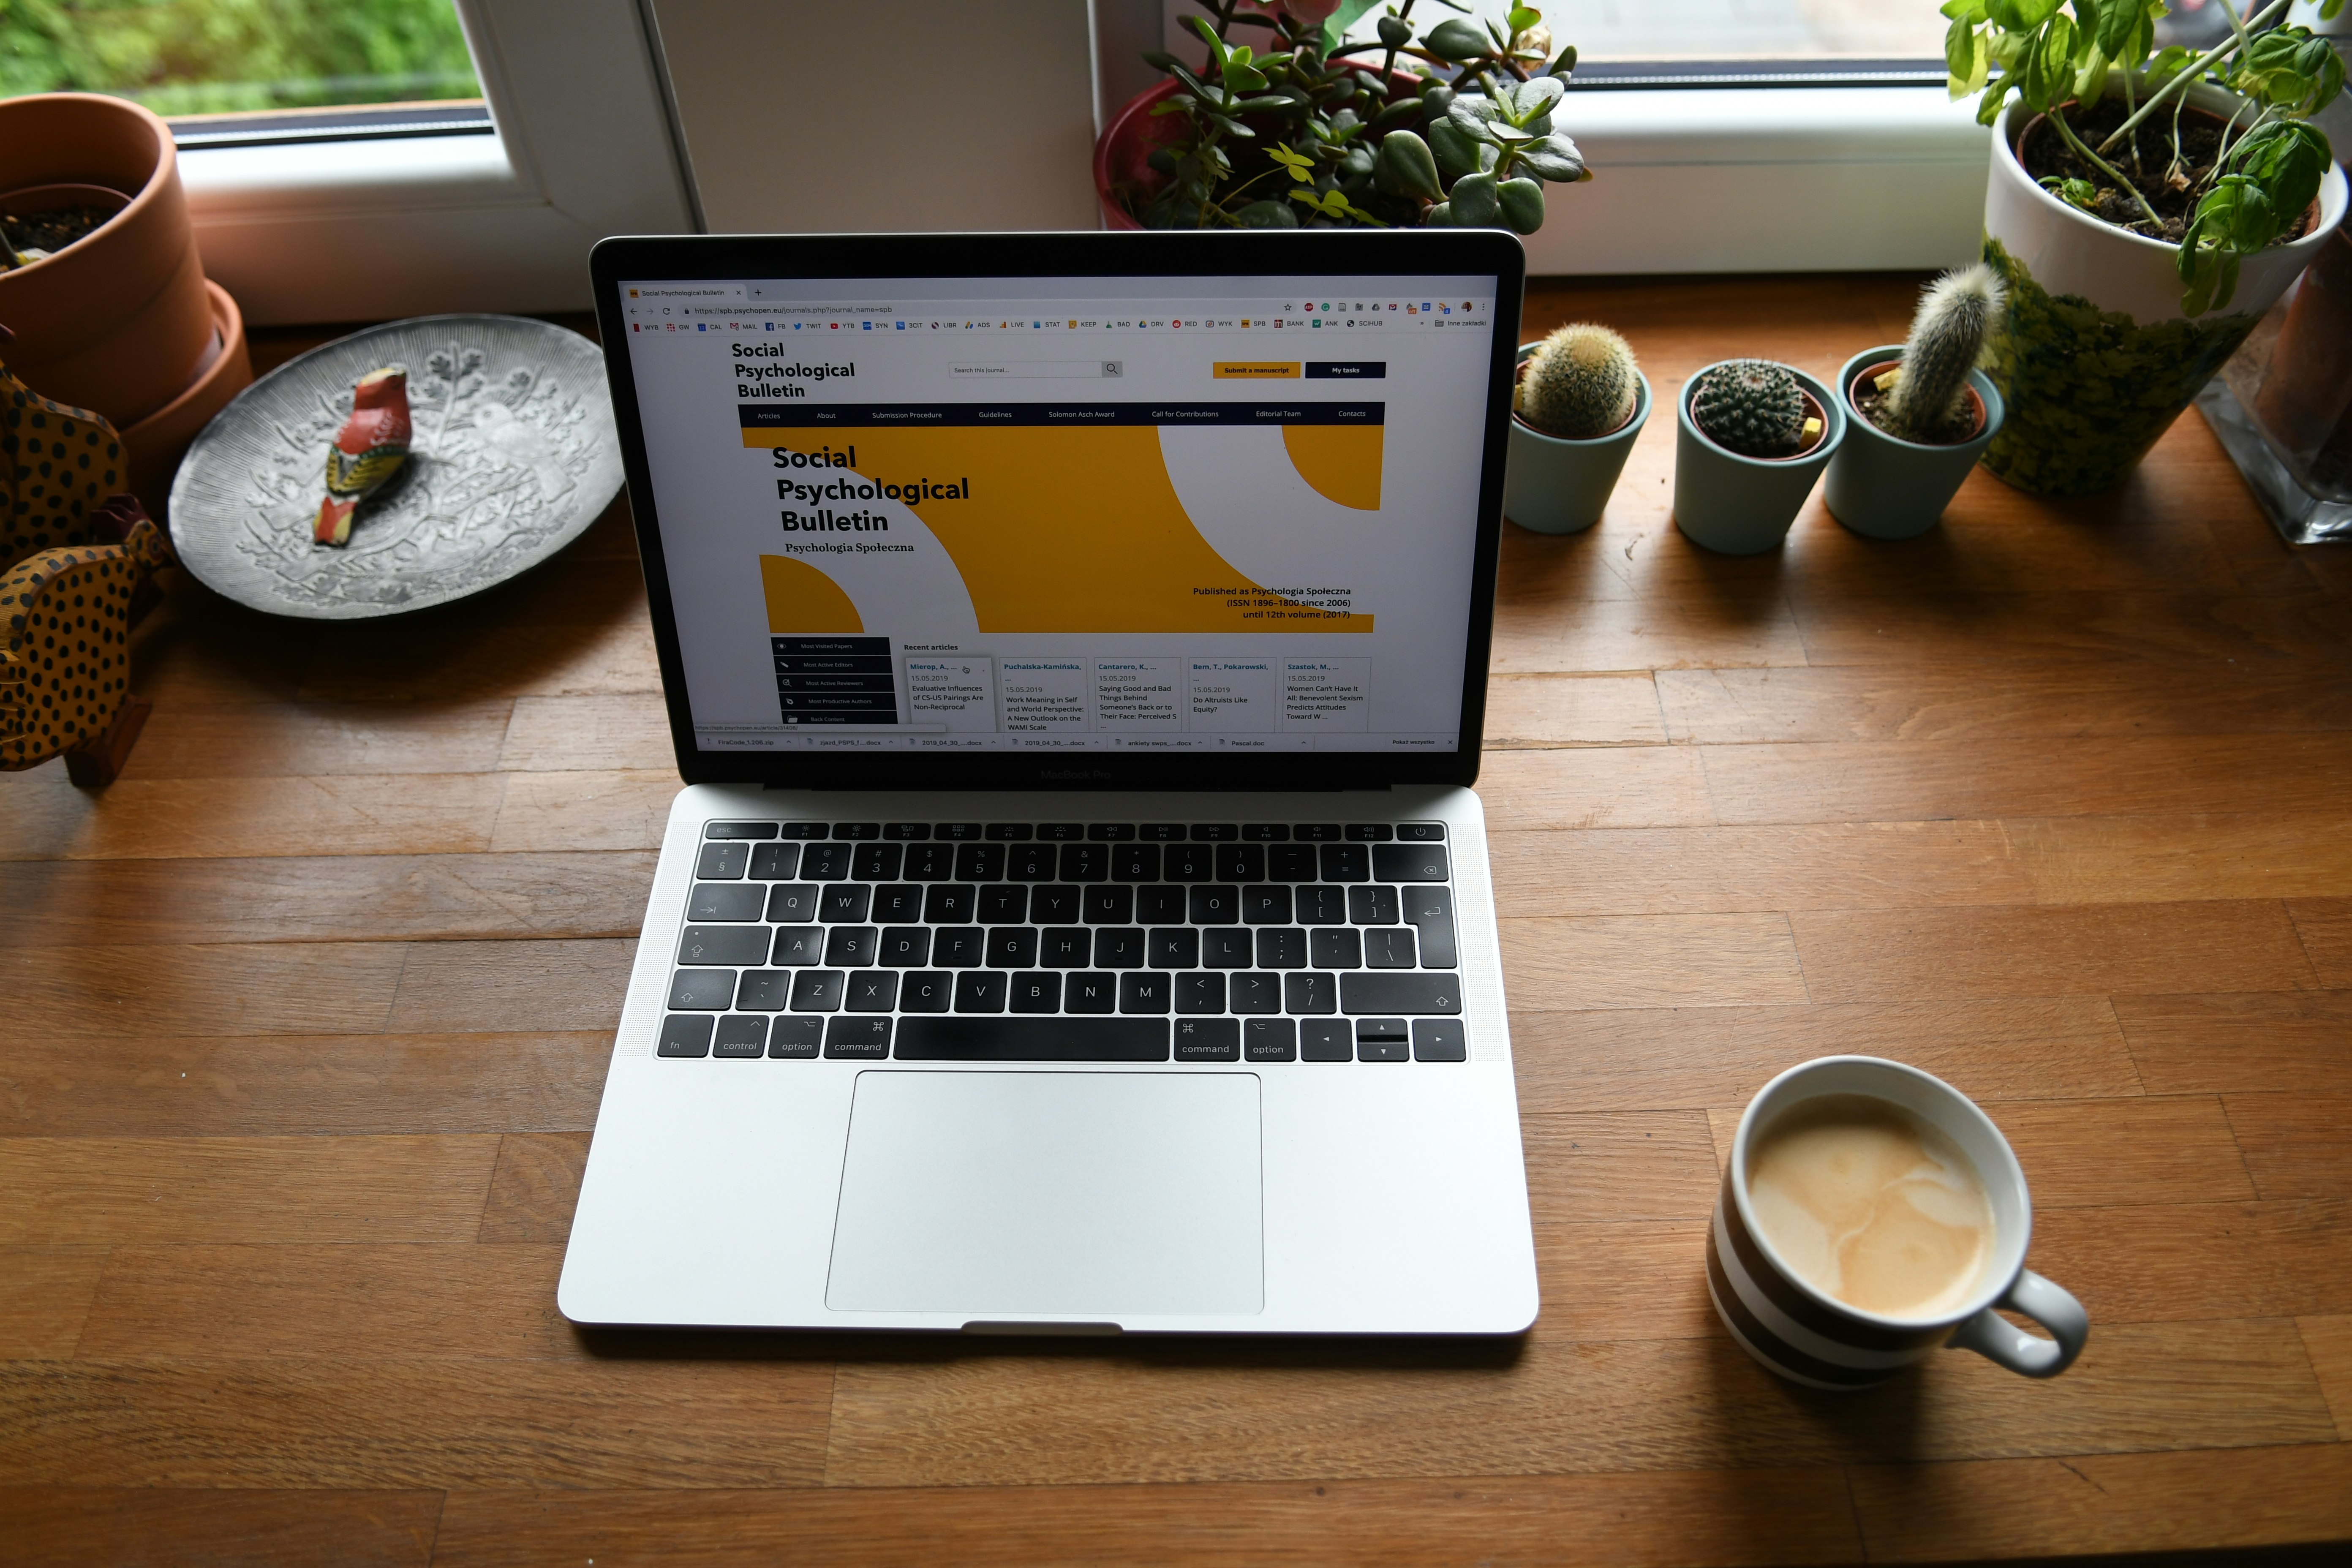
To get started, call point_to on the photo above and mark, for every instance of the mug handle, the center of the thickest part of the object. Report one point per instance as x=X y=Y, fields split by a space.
x=1999 y=1341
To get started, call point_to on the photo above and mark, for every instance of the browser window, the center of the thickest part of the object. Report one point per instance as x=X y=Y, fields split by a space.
x=1181 y=514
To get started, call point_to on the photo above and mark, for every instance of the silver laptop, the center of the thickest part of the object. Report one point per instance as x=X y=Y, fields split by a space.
x=1077 y=918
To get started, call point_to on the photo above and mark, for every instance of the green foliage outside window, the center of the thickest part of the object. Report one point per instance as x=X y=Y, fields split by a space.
x=212 y=57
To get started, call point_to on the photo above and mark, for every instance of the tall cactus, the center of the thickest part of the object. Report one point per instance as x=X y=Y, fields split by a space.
x=1928 y=402
x=1581 y=384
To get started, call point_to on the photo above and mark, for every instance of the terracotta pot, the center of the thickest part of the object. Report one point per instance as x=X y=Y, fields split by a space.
x=156 y=443
x=118 y=321
x=2093 y=356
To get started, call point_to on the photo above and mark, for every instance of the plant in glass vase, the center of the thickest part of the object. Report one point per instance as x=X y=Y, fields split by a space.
x=2145 y=207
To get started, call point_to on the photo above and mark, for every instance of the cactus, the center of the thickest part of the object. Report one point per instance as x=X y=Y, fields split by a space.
x=1581 y=382
x=1751 y=406
x=1928 y=401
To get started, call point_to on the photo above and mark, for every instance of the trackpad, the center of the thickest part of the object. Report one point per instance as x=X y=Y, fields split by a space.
x=1048 y=1193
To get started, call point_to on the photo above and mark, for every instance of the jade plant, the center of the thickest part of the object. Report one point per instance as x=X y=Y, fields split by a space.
x=1753 y=407
x=2251 y=193
x=1581 y=384
x=1927 y=397
x=1287 y=125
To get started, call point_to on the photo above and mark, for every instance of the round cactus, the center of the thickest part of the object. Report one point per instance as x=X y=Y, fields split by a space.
x=1751 y=406
x=1581 y=382
x=1929 y=402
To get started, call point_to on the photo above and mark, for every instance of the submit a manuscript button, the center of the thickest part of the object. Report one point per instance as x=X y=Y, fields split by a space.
x=1255 y=370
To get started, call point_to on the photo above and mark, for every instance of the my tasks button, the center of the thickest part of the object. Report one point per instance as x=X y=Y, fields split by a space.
x=1347 y=370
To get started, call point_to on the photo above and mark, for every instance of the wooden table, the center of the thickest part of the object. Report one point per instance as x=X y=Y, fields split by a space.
x=306 y=1018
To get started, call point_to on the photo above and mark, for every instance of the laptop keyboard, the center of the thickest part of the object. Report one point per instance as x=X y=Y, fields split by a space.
x=1025 y=941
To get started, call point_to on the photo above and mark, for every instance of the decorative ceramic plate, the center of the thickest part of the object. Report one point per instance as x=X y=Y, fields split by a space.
x=513 y=455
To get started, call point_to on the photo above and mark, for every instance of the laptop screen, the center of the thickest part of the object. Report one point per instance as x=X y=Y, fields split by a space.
x=1184 y=515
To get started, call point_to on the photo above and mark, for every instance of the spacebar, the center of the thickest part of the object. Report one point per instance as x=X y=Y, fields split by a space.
x=1033 y=1039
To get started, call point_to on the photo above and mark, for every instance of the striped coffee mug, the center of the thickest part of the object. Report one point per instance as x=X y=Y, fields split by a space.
x=1810 y=1337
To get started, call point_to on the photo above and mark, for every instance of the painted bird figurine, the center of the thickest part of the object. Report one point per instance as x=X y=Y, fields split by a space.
x=368 y=450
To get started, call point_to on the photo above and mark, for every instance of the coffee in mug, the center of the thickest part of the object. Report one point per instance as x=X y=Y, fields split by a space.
x=1870 y=1213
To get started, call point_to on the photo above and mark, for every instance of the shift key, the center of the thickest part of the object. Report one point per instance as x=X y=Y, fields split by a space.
x=1400 y=993
x=743 y=947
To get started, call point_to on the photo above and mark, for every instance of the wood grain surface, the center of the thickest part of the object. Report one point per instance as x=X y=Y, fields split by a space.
x=303 y=1023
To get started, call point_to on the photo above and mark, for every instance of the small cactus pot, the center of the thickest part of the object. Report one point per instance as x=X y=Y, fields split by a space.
x=1554 y=485
x=1740 y=505
x=1883 y=486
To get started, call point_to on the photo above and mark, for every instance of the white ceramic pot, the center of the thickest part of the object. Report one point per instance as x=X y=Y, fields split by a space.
x=2094 y=357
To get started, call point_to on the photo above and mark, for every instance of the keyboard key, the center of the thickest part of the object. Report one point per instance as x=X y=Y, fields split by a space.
x=722 y=861
x=1084 y=862
x=1065 y=947
x=979 y=991
x=1264 y=832
x=1422 y=832
x=1111 y=832
x=803 y=830
x=1418 y=992
x=853 y=830
x=818 y=989
x=1215 y=832
x=1411 y=863
x=1032 y=1040
x=1009 y=831
x=1281 y=947
x=1372 y=905
x=1161 y=832
x=1217 y=904
x=877 y=862
x=1159 y=905
x=1145 y=991
x=741 y=1036
x=1315 y=832
x=1090 y=992
x=1334 y=1041
x=979 y=862
x=1431 y=911
x=1006 y=904
x=1439 y=1041
x=960 y=832
x=929 y=863
x=1119 y=947
x=1389 y=947
x=764 y=990
x=726 y=901
x=905 y=830
x=735 y=946
x=775 y=862
x=1012 y=947
x=950 y=903
x=1383 y=1029
x=1336 y=947
x=792 y=1038
x=1269 y=1040
x=1030 y=863
x=738 y=831
x=1241 y=862
x=1383 y=1051
x=1266 y=904
x=1291 y=863
x=799 y=945
x=925 y=991
x=1369 y=833
x=871 y=991
x=1135 y=863
x=1227 y=947
x=906 y=947
x=1037 y=992
x=1173 y=947
x=844 y=903
x=863 y=1039
x=1323 y=905
x=1309 y=993
x=1345 y=863
x=1208 y=1040
x=1061 y=832
x=898 y=903
x=1108 y=905
x=958 y=947
x=827 y=862
x=1056 y=903
x=1199 y=993
x=1254 y=993
x=1188 y=863
x=791 y=903
x=685 y=1035
x=850 y=947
